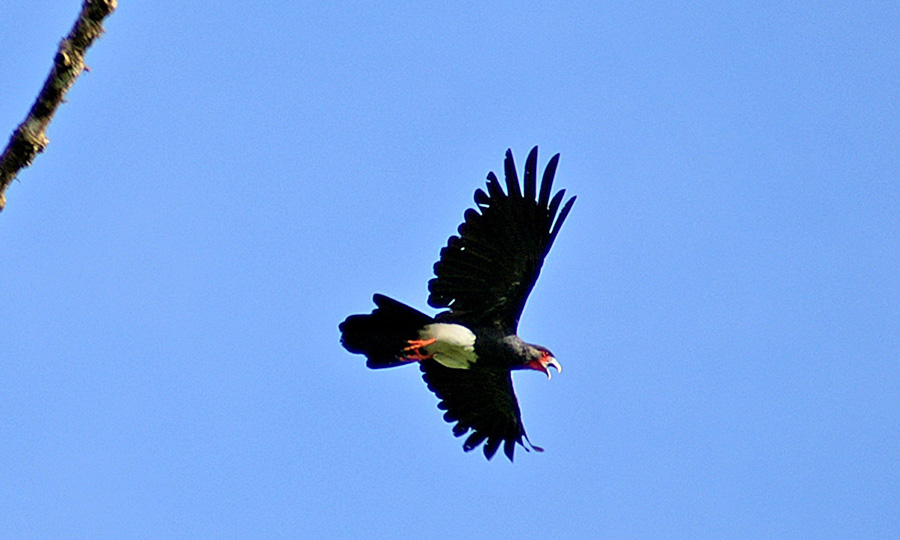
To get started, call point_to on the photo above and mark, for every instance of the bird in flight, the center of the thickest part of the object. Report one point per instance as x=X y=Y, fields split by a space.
x=467 y=352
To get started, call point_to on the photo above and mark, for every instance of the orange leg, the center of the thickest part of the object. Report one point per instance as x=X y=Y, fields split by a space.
x=415 y=347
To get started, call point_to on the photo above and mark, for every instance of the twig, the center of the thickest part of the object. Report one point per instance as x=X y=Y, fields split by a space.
x=29 y=139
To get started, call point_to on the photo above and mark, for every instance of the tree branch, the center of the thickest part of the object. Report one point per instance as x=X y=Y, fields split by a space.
x=29 y=139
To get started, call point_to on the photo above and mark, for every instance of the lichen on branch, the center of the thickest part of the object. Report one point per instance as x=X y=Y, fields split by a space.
x=29 y=138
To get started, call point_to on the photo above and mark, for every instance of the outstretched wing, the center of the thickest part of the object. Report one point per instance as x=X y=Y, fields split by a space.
x=481 y=400
x=485 y=274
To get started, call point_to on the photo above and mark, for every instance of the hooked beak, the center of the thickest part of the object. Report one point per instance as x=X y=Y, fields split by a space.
x=550 y=361
x=545 y=362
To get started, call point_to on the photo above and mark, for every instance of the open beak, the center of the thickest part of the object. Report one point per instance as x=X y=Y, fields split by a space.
x=550 y=361
x=543 y=363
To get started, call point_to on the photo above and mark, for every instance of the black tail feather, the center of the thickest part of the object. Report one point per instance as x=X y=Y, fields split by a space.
x=383 y=334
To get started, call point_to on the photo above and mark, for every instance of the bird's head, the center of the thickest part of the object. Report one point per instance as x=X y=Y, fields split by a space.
x=542 y=358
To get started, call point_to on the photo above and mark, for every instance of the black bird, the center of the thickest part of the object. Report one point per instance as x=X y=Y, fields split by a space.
x=467 y=352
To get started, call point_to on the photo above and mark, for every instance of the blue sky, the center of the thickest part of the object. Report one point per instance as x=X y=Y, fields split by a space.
x=228 y=183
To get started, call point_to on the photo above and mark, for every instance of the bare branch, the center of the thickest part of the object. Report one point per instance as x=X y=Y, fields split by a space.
x=29 y=139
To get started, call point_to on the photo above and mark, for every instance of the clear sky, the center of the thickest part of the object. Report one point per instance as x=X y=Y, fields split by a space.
x=232 y=179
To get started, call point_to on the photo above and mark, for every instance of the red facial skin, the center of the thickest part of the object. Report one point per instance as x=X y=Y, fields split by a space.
x=543 y=362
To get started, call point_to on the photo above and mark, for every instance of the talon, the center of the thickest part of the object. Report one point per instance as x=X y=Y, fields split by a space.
x=419 y=343
x=415 y=349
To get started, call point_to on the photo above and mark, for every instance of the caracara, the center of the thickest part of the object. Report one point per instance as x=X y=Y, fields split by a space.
x=467 y=352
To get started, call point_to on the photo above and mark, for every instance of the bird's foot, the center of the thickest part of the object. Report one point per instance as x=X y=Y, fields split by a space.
x=415 y=352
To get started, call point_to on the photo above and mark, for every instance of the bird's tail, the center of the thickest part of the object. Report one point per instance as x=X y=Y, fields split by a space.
x=383 y=334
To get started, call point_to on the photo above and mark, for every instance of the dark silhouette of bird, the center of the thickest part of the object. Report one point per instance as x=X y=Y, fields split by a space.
x=468 y=351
